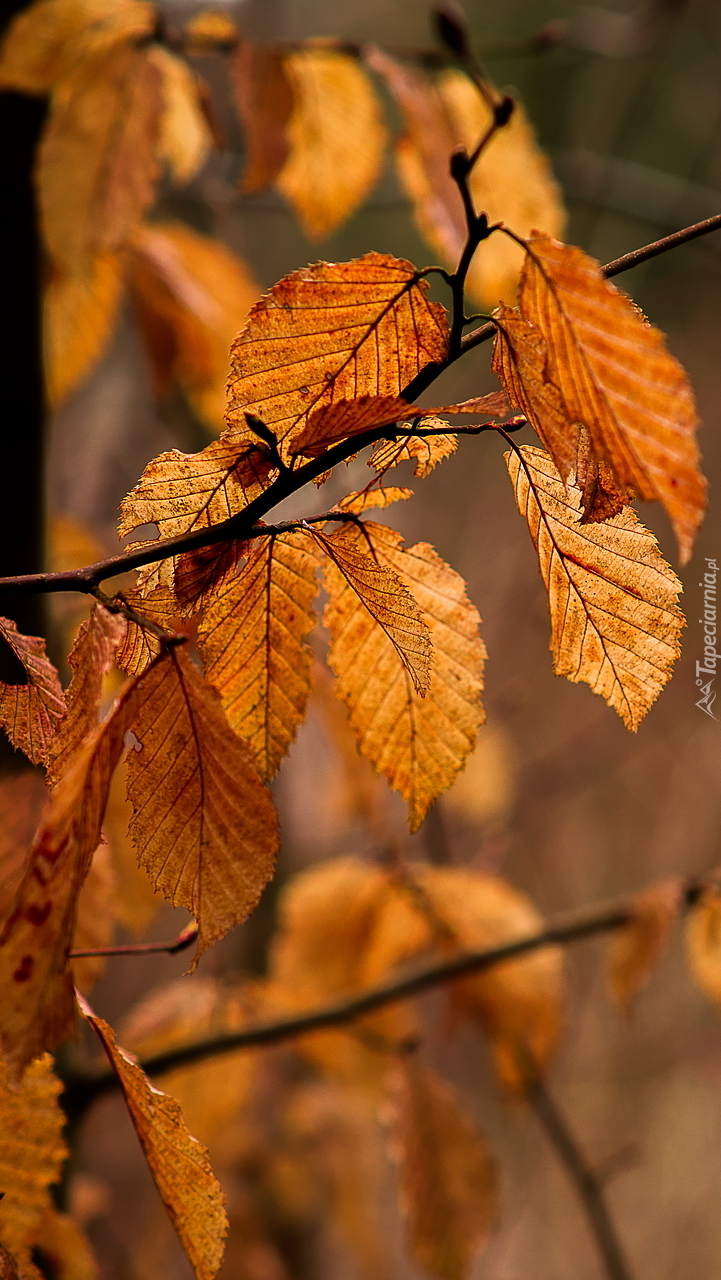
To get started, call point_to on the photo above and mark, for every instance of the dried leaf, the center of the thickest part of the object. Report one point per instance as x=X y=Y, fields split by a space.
x=185 y=138
x=32 y=1155
x=140 y=646
x=192 y=296
x=30 y=712
x=63 y=1249
x=199 y=574
x=333 y=332
x=363 y=499
x=136 y=903
x=636 y=949
x=80 y=313
x=484 y=789
x=46 y=39
x=103 y=129
x=448 y=1176
x=264 y=98
x=336 y=138
x=615 y=623
x=425 y=451
x=616 y=377
x=420 y=744
x=703 y=943
x=23 y=796
x=251 y=640
x=178 y=1163
x=381 y=593
x=90 y=660
x=95 y=923
x=346 y=418
x=203 y=822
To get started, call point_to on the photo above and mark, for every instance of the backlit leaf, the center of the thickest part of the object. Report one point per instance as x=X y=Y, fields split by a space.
x=30 y=712
x=425 y=451
x=264 y=98
x=615 y=623
x=192 y=296
x=448 y=1176
x=185 y=138
x=32 y=1155
x=616 y=377
x=203 y=822
x=199 y=574
x=333 y=332
x=47 y=38
x=140 y=645
x=703 y=943
x=178 y=1163
x=636 y=949
x=90 y=660
x=251 y=640
x=80 y=313
x=420 y=744
x=103 y=130
x=363 y=499
x=336 y=138
x=347 y=418
x=383 y=595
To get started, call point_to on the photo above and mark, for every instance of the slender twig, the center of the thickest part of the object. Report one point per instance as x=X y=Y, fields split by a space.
x=185 y=939
x=587 y=1183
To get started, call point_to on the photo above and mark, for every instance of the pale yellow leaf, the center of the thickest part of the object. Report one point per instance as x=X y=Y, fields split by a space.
x=615 y=623
x=185 y=139
x=30 y=712
x=336 y=138
x=80 y=313
x=32 y=1155
x=636 y=949
x=419 y=744
x=485 y=787
x=178 y=1163
x=48 y=37
x=252 y=642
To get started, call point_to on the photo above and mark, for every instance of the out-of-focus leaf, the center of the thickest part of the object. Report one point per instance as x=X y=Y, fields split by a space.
x=136 y=903
x=30 y=712
x=23 y=796
x=252 y=642
x=636 y=949
x=91 y=658
x=63 y=1248
x=612 y=597
x=264 y=98
x=32 y=1154
x=80 y=315
x=703 y=943
x=210 y=28
x=420 y=744
x=178 y=1163
x=336 y=138
x=448 y=1175
x=46 y=39
x=184 y=139
x=484 y=789
x=95 y=922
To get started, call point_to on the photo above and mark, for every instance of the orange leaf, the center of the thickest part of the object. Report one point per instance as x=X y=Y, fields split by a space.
x=636 y=949
x=184 y=136
x=95 y=921
x=264 y=98
x=136 y=904
x=22 y=798
x=330 y=332
x=199 y=574
x=420 y=744
x=448 y=1176
x=80 y=313
x=616 y=377
x=91 y=659
x=30 y=712
x=615 y=623
x=179 y=1164
x=363 y=499
x=703 y=943
x=425 y=451
x=45 y=40
x=251 y=640
x=32 y=1155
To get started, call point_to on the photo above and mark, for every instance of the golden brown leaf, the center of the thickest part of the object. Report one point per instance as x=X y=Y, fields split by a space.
x=484 y=789
x=64 y=1251
x=615 y=623
x=139 y=645
x=199 y=574
x=703 y=943
x=448 y=1175
x=30 y=712
x=136 y=903
x=178 y=1163
x=636 y=949
x=79 y=318
x=22 y=798
x=185 y=138
x=346 y=418
x=90 y=660
x=333 y=331
x=384 y=596
x=95 y=922
x=425 y=451
x=364 y=499
x=616 y=377
x=336 y=138
x=264 y=98
x=192 y=296
x=32 y=1154
x=103 y=130
x=420 y=744
x=252 y=642
x=210 y=28
x=203 y=822
x=47 y=38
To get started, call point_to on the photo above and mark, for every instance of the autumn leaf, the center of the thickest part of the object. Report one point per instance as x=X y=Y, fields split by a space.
x=364 y=499
x=185 y=139
x=46 y=39
x=62 y=1248
x=636 y=949
x=425 y=451
x=30 y=712
x=384 y=596
x=23 y=795
x=208 y=29
x=264 y=98
x=203 y=823
x=447 y=1174
x=333 y=332
x=192 y=295
x=419 y=744
x=703 y=943
x=139 y=645
x=344 y=419
x=103 y=129
x=616 y=377
x=135 y=902
x=90 y=660
x=178 y=1163
x=251 y=639
x=336 y=138
x=80 y=313
x=615 y=623
x=199 y=574
x=32 y=1155
x=95 y=921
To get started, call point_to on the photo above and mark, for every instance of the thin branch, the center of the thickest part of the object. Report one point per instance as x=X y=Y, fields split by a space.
x=587 y=1183
x=185 y=939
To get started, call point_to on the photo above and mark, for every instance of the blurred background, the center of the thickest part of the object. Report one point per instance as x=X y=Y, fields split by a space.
x=559 y=798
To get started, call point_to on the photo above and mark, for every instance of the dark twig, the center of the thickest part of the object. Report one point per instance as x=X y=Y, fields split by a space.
x=185 y=939
x=587 y=1183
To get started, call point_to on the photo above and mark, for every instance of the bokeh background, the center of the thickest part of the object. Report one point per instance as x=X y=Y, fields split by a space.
x=560 y=799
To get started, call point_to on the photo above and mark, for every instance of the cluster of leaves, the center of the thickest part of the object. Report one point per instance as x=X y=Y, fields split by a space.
x=214 y=634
